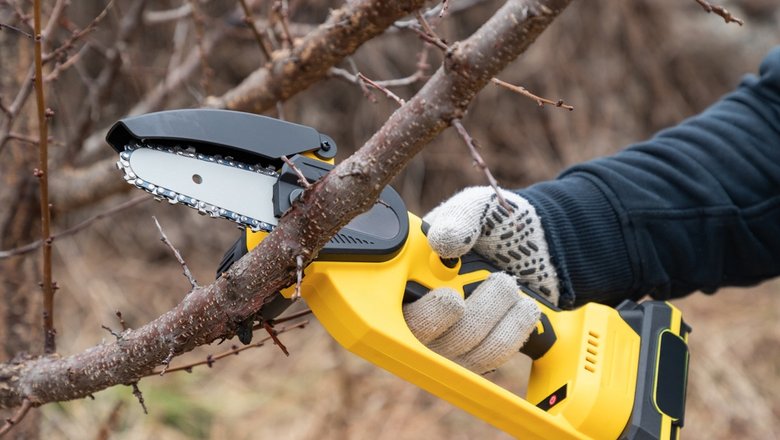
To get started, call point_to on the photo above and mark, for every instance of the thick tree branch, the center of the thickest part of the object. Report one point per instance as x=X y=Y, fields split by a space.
x=294 y=70
x=214 y=311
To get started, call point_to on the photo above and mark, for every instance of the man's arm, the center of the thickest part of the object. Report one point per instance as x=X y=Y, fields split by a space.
x=696 y=207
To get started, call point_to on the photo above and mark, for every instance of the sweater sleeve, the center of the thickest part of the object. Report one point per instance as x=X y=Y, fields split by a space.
x=697 y=207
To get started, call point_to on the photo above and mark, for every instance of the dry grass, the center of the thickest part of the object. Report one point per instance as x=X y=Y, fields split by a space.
x=629 y=68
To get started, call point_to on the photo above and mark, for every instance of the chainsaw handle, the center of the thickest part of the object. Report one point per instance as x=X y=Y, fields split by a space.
x=541 y=338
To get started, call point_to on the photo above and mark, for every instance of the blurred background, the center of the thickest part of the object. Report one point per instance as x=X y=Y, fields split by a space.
x=629 y=68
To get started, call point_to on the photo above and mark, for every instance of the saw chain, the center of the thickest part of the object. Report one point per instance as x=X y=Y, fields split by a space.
x=161 y=193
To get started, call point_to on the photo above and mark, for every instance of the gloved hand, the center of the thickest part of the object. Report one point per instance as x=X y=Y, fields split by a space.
x=484 y=331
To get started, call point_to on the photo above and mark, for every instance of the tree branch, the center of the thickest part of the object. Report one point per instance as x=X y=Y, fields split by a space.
x=719 y=10
x=211 y=312
x=36 y=244
x=345 y=30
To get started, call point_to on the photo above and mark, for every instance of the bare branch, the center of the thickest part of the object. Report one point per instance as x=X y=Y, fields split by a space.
x=167 y=362
x=281 y=9
x=177 y=254
x=250 y=21
x=399 y=82
x=79 y=34
x=138 y=395
x=539 y=100
x=49 y=344
x=419 y=75
x=117 y=335
x=235 y=350
x=345 y=30
x=360 y=82
x=382 y=89
x=720 y=10
x=3 y=108
x=16 y=29
x=121 y=320
x=79 y=227
x=479 y=162
x=164 y=16
x=301 y=178
x=27 y=85
x=272 y=334
x=436 y=11
x=16 y=418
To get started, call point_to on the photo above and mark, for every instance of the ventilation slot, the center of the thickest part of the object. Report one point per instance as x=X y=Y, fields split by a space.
x=348 y=239
x=592 y=351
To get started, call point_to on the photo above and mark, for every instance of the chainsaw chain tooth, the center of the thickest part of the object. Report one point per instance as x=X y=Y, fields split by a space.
x=163 y=194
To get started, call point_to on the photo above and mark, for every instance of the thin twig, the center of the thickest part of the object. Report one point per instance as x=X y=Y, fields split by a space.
x=3 y=108
x=539 y=100
x=166 y=15
x=301 y=178
x=65 y=65
x=121 y=320
x=720 y=10
x=27 y=85
x=250 y=21
x=26 y=139
x=16 y=418
x=210 y=359
x=79 y=34
x=83 y=225
x=360 y=82
x=382 y=89
x=118 y=336
x=398 y=82
x=473 y=148
x=427 y=33
x=281 y=9
x=420 y=74
x=49 y=344
x=272 y=333
x=15 y=29
x=167 y=361
x=177 y=254
x=437 y=11
x=139 y=396
x=19 y=13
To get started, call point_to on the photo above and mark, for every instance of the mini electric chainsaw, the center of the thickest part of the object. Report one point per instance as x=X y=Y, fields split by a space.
x=598 y=372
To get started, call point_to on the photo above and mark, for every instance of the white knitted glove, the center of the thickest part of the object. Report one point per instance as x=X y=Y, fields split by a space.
x=484 y=331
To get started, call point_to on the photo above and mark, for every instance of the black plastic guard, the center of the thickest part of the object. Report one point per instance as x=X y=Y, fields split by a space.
x=376 y=235
x=247 y=137
x=663 y=370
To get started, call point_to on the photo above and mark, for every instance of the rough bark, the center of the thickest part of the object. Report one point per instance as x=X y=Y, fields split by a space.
x=211 y=312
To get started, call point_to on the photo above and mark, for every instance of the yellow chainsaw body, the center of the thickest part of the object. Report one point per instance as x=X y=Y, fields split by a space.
x=586 y=382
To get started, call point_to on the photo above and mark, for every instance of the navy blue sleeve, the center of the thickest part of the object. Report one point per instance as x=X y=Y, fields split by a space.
x=697 y=207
